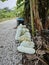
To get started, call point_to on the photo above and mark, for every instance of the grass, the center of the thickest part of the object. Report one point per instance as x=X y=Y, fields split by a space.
x=4 y=19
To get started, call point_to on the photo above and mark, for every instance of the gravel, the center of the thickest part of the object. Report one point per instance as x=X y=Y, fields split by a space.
x=8 y=48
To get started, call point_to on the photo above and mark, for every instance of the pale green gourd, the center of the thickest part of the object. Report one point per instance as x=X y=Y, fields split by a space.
x=26 y=50
x=21 y=30
x=24 y=30
x=30 y=44
x=25 y=37
x=18 y=32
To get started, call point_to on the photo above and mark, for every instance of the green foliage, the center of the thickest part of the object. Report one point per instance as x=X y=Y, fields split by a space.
x=20 y=11
x=20 y=8
x=3 y=0
x=21 y=4
x=19 y=1
x=6 y=13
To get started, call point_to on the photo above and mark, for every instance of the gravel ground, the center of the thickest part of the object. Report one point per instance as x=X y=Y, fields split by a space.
x=8 y=47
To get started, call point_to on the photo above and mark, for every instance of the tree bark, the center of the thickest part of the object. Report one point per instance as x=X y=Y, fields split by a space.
x=32 y=17
x=37 y=18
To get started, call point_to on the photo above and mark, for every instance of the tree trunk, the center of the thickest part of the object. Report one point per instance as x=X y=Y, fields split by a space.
x=32 y=18
x=37 y=18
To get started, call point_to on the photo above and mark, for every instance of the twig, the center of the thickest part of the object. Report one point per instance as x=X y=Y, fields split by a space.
x=42 y=60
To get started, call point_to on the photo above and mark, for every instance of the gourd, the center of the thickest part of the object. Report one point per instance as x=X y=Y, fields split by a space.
x=29 y=44
x=25 y=37
x=18 y=32
x=21 y=29
x=24 y=30
x=26 y=50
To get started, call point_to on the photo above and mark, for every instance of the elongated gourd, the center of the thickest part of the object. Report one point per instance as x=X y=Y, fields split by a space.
x=25 y=37
x=21 y=30
x=28 y=44
x=18 y=32
x=26 y=50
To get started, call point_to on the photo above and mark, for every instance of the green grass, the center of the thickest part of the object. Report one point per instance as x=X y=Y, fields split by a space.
x=4 y=19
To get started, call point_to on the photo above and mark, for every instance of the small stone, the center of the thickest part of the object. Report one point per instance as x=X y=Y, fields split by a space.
x=19 y=64
x=1 y=46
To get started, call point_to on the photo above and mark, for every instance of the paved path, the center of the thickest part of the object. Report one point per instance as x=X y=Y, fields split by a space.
x=8 y=47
